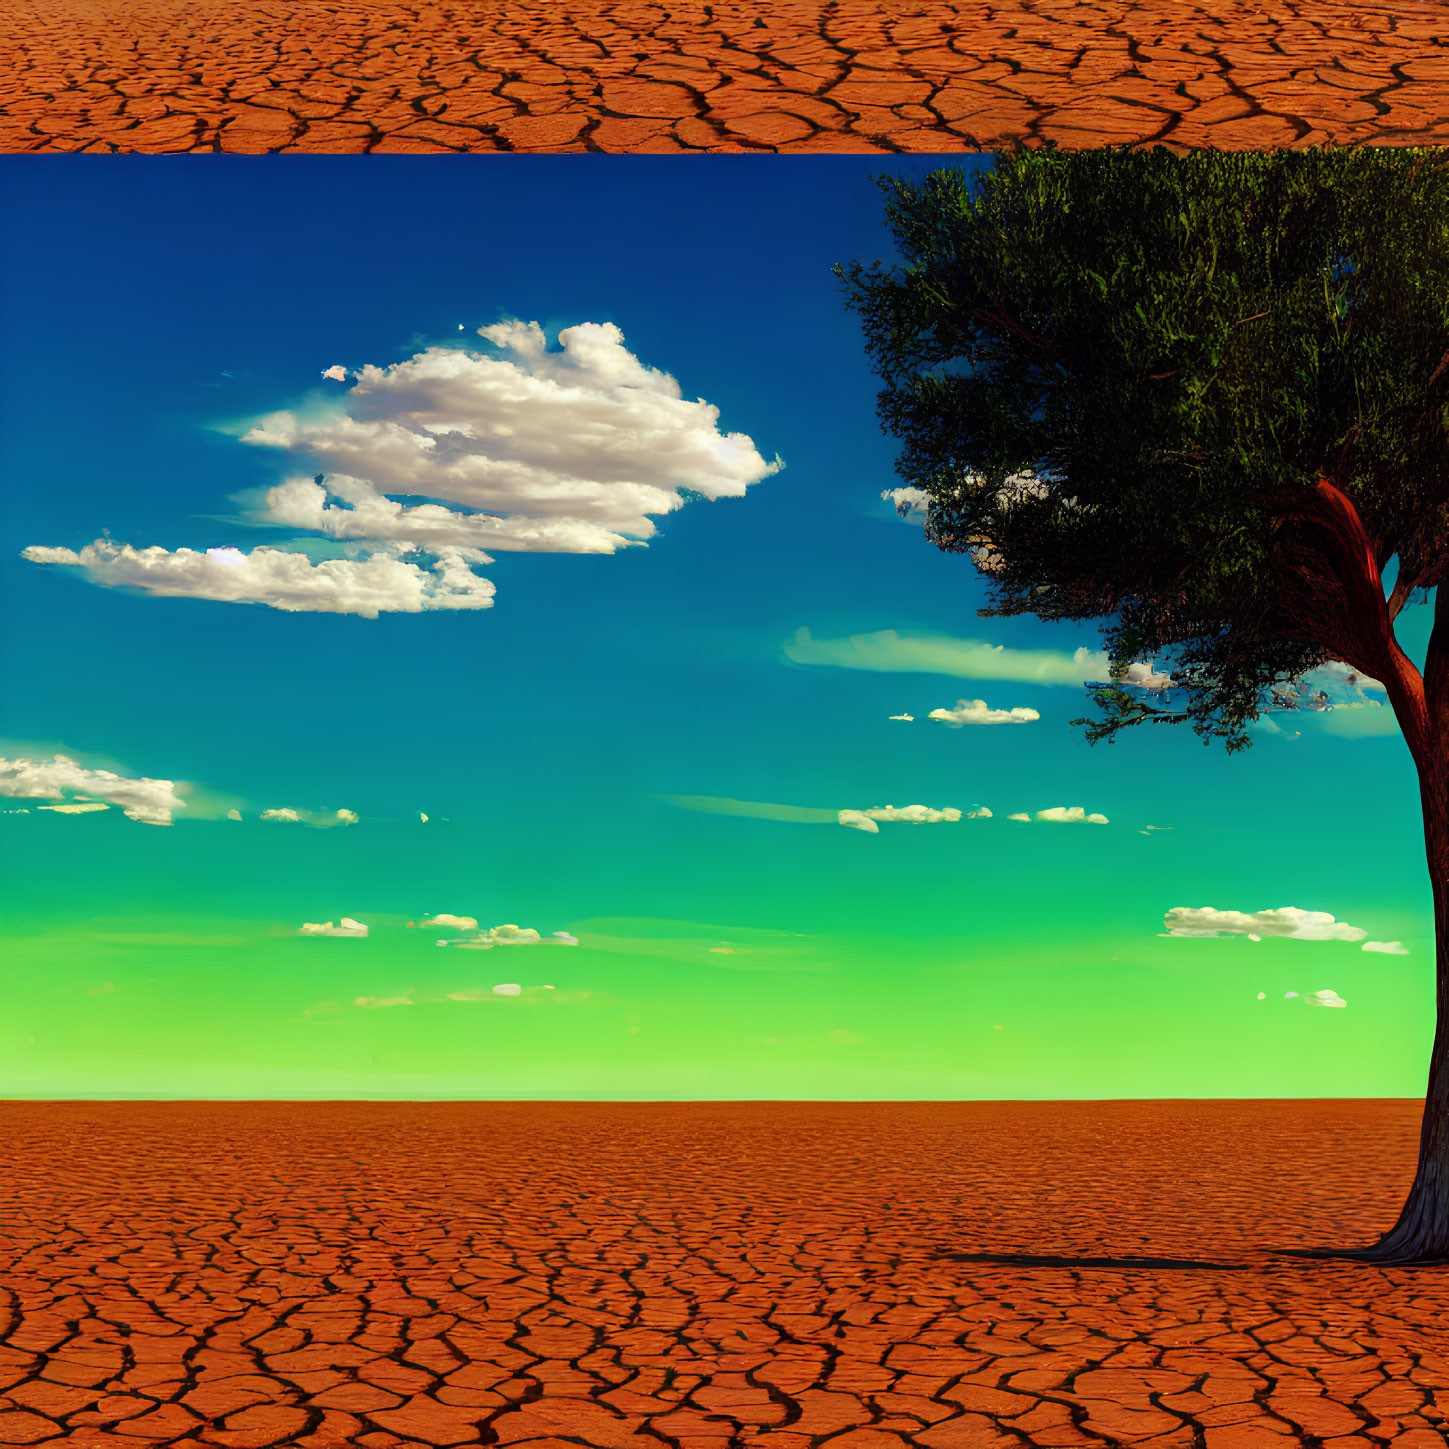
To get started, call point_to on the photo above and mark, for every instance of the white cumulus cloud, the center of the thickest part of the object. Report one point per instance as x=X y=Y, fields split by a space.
x=1020 y=815
x=1324 y=998
x=1387 y=948
x=152 y=802
x=1285 y=921
x=573 y=449
x=367 y=586
x=858 y=820
x=335 y=373
x=976 y=711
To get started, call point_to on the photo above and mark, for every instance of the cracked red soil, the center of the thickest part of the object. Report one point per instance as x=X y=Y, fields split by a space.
x=799 y=75
x=631 y=1276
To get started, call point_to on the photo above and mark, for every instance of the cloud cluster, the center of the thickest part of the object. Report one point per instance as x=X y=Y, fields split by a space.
x=1286 y=921
x=281 y=579
x=887 y=651
x=152 y=802
x=427 y=463
x=976 y=711
x=346 y=927
x=909 y=814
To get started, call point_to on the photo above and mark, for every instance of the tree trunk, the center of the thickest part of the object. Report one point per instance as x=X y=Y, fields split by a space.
x=1422 y=1231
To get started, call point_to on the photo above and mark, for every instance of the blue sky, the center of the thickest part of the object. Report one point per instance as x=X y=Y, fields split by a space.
x=166 y=306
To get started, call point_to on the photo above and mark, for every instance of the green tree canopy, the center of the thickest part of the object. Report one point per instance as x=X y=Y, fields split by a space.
x=1205 y=399
x=1138 y=385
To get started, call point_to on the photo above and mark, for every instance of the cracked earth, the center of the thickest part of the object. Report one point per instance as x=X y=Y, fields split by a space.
x=632 y=1276
x=800 y=75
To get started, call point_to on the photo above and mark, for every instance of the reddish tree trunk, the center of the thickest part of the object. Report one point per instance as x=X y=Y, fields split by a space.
x=1421 y=705
x=1422 y=1231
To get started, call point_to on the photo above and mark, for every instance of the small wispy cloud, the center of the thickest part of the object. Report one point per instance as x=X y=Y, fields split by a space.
x=887 y=651
x=978 y=712
x=753 y=809
x=504 y=991
x=909 y=503
x=1387 y=948
x=505 y=935
x=345 y=927
x=286 y=815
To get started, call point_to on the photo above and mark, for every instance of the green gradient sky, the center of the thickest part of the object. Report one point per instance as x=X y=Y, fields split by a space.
x=548 y=737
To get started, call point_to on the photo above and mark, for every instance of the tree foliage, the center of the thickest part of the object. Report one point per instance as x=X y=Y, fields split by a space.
x=1202 y=397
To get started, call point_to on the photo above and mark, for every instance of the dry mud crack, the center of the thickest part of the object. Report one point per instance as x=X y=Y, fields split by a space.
x=682 y=75
x=630 y=1276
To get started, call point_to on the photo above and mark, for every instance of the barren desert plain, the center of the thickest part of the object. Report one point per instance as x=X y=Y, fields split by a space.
x=705 y=1275
x=808 y=75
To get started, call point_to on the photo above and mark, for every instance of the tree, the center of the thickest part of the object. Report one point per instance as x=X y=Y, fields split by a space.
x=1203 y=398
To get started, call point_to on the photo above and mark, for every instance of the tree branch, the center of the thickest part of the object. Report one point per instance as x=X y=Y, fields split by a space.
x=1370 y=618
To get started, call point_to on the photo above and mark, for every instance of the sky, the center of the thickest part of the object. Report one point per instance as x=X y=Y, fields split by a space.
x=595 y=728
